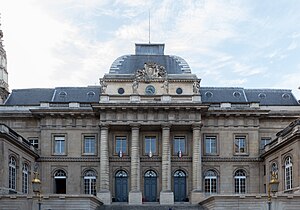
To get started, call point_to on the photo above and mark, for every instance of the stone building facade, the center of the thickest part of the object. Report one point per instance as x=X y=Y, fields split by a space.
x=151 y=133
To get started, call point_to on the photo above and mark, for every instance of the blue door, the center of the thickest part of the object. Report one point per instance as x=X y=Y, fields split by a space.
x=179 y=186
x=150 y=186
x=121 y=182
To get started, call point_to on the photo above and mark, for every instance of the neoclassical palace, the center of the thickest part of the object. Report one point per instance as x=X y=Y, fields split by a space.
x=148 y=133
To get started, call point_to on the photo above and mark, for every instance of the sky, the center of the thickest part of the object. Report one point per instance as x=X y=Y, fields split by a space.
x=227 y=43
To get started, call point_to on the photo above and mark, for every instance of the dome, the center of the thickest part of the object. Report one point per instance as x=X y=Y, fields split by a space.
x=149 y=53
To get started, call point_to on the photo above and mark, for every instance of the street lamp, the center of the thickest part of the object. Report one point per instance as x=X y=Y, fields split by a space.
x=272 y=187
x=36 y=187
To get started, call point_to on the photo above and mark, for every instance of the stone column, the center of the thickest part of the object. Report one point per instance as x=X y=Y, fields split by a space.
x=166 y=195
x=135 y=194
x=197 y=194
x=104 y=194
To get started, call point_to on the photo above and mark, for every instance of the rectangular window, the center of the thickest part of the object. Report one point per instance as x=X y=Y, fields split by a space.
x=210 y=145
x=121 y=144
x=264 y=141
x=59 y=145
x=240 y=144
x=240 y=185
x=150 y=145
x=179 y=144
x=89 y=145
x=34 y=142
x=90 y=185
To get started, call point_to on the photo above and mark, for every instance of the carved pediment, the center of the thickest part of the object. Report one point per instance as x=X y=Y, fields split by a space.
x=151 y=71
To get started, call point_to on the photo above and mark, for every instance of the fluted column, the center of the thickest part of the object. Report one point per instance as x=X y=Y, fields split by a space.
x=135 y=194
x=166 y=159
x=197 y=162
x=104 y=193
x=166 y=195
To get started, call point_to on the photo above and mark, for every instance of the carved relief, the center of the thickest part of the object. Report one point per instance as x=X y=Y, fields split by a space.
x=165 y=86
x=103 y=86
x=151 y=71
x=135 y=86
x=196 y=87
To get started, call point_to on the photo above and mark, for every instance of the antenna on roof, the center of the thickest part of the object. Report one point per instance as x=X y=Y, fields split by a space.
x=149 y=26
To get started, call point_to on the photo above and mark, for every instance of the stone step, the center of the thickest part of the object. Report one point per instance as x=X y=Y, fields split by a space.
x=154 y=206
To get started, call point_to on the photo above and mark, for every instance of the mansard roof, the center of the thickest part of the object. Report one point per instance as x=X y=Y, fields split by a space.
x=59 y=94
x=91 y=94
x=265 y=97
x=149 y=53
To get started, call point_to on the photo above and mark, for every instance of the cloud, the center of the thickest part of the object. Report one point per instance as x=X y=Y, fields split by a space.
x=73 y=43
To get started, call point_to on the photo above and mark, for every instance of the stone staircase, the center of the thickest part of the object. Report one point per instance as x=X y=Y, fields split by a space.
x=152 y=206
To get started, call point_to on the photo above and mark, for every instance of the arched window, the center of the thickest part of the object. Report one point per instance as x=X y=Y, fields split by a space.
x=150 y=173
x=25 y=178
x=288 y=173
x=60 y=182
x=121 y=174
x=12 y=173
x=179 y=173
x=90 y=182
x=60 y=174
x=240 y=181
x=210 y=182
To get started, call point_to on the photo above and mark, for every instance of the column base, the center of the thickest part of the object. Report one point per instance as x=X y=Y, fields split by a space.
x=105 y=197
x=166 y=198
x=135 y=198
x=196 y=197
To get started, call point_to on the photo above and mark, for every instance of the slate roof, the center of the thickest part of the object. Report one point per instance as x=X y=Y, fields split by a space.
x=129 y=64
x=29 y=96
x=149 y=53
x=265 y=97
x=60 y=94
x=272 y=97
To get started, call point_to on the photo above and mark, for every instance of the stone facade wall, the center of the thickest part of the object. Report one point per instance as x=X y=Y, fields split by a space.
x=10 y=147
x=53 y=202
x=257 y=202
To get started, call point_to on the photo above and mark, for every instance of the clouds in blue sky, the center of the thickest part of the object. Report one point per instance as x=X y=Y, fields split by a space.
x=251 y=44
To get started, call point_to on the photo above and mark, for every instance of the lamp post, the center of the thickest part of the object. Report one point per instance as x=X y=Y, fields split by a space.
x=272 y=188
x=36 y=187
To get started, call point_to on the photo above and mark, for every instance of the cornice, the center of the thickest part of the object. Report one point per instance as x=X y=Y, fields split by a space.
x=231 y=159
x=68 y=159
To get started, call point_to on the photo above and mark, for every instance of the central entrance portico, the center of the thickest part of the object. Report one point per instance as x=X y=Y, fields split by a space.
x=150 y=126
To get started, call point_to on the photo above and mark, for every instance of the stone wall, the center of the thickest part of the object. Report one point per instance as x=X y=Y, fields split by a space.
x=255 y=202
x=53 y=202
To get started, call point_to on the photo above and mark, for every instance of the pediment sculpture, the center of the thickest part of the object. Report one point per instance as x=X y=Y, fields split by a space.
x=151 y=71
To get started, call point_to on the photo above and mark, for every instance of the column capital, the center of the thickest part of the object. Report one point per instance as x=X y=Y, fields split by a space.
x=135 y=125
x=166 y=125
x=103 y=125
x=197 y=126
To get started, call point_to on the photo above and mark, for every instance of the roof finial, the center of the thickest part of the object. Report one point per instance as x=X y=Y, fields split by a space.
x=149 y=26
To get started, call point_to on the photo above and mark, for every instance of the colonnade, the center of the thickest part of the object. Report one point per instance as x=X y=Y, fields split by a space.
x=135 y=193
